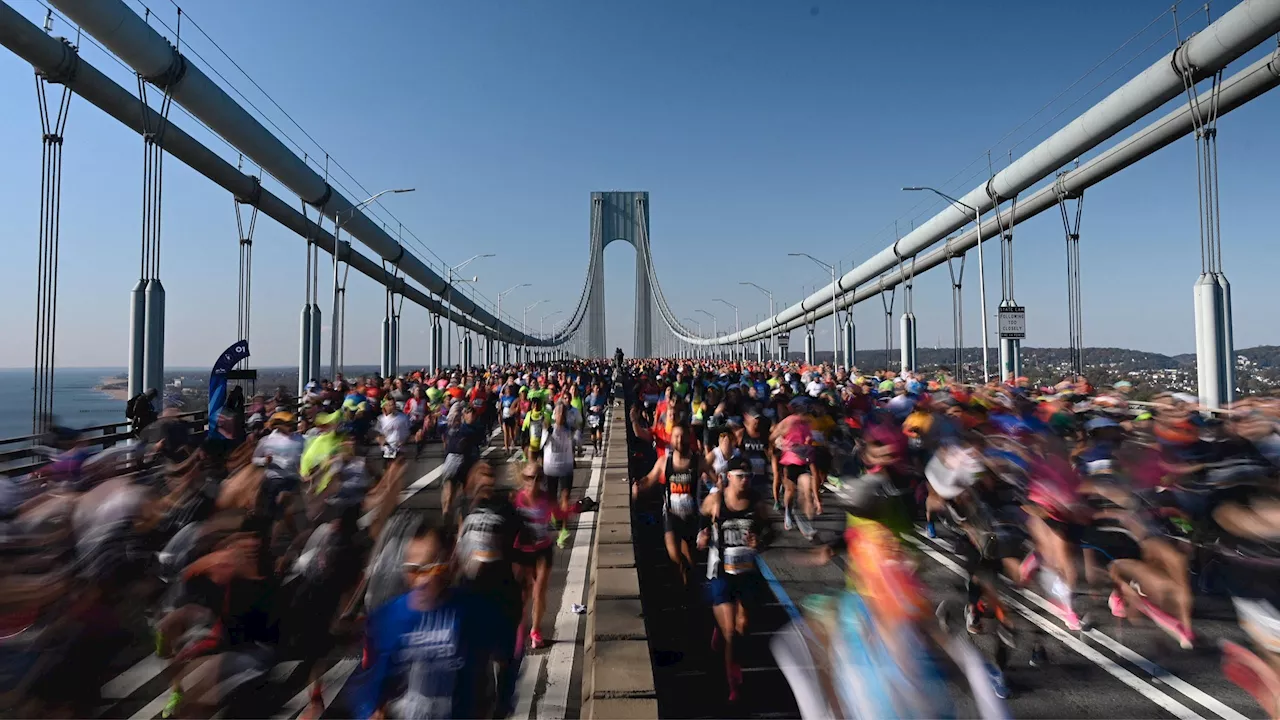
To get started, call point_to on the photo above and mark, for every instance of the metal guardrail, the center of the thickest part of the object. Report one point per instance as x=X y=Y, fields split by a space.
x=22 y=455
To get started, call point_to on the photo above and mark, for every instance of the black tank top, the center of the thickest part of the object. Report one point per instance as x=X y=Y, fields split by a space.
x=681 y=490
x=732 y=528
x=755 y=450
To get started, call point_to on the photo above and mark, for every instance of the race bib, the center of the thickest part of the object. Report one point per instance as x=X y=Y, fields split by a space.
x=683 y=504
x=739 y=560
x=506 y=411
x=759 y=466
x=594 y=421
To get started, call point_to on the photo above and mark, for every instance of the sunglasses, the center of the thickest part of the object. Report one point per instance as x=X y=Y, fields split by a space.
x=429 y=569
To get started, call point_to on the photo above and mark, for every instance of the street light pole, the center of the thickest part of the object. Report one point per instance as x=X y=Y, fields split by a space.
x=982 y=275
x=773 y=319
x=737 y=326
x=335 y=332
x=835 y=316
x=504 y=292
x=715 y=331
x=697 y=325
x=524 y=319
x=449 y=297
x=542 y=324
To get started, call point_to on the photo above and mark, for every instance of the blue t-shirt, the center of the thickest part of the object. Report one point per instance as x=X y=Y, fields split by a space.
x=427 y=664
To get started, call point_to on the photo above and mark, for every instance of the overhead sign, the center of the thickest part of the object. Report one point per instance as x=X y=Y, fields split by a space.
x=1013 y=322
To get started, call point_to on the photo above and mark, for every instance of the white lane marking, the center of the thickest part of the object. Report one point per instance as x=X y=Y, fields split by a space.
x=152 y=709
x=332 y=681
x=1133 y=681
x=1157 y=672
x=529 y=674
x=555 y=700
x=128 y=682
x=434 y=475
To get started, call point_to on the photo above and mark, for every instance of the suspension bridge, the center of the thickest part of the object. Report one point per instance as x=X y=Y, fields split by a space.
x=1200 y=75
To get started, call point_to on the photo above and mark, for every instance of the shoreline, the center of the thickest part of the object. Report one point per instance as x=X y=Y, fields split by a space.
x=116 y=388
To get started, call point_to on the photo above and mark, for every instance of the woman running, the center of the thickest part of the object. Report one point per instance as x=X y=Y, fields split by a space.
x=793 y=438
x=533 y=545
x=510 y=403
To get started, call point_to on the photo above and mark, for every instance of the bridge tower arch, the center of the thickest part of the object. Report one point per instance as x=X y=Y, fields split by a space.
x=620 y=216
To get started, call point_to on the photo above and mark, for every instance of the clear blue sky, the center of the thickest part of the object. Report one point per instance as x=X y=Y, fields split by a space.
x=758 y=127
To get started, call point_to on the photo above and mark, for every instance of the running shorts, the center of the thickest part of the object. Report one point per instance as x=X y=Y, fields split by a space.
x=530 y=558
x=684 y=528
x=558 y=483
x=1113 y=541
x=724 y=588
x=793 y=472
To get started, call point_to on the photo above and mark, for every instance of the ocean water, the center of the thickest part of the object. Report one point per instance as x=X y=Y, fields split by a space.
x=75 y=402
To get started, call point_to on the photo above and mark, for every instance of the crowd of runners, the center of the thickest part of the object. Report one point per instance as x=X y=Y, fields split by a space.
x=1108 y=506
x=276 y=535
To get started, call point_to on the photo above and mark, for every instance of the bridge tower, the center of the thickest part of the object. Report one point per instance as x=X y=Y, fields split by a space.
x=618 y=216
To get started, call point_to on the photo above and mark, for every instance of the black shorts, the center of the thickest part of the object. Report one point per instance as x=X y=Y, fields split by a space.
x=1068 y=531
x=530 y=558
x=725 y=588
x=793 y=472
x=1112 y=541
x=559 y=483
x=510 y=421
x=684 y=528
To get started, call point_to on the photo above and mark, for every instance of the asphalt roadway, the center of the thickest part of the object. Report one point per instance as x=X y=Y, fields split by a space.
x=1110 y=671
x=550 y=682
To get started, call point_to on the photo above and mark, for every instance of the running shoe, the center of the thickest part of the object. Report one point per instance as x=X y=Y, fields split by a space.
x=1005 y=634
x=786 y=518
x=1027 y=569
x=171 y=707
x=735 y=680
x=777 y=505
x=1039 y=657
x=1116 y=603
x=997 y=682
x=972 y=620
x=1169 y=624
x=563 y=538
x=930 y=531
x=942 y=614
x=535 y=639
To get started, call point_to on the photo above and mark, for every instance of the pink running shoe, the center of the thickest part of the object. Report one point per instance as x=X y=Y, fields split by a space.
x=535 y=639
x=1116 y=603
x=1027 y=569
x=1167 y=623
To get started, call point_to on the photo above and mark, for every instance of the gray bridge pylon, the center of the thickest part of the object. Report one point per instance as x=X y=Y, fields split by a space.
x=619 y=216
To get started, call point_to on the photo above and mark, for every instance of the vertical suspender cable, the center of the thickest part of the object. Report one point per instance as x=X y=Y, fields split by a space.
x=957 y=312
x=1215 y=356
x=244 y=301
x=52 y=128
x=1071 y=230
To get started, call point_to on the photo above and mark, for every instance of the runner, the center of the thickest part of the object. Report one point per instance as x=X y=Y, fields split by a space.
x=736 y=519
x=677 y=471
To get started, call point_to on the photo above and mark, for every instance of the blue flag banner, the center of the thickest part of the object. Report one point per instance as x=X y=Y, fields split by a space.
x=218 y=380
